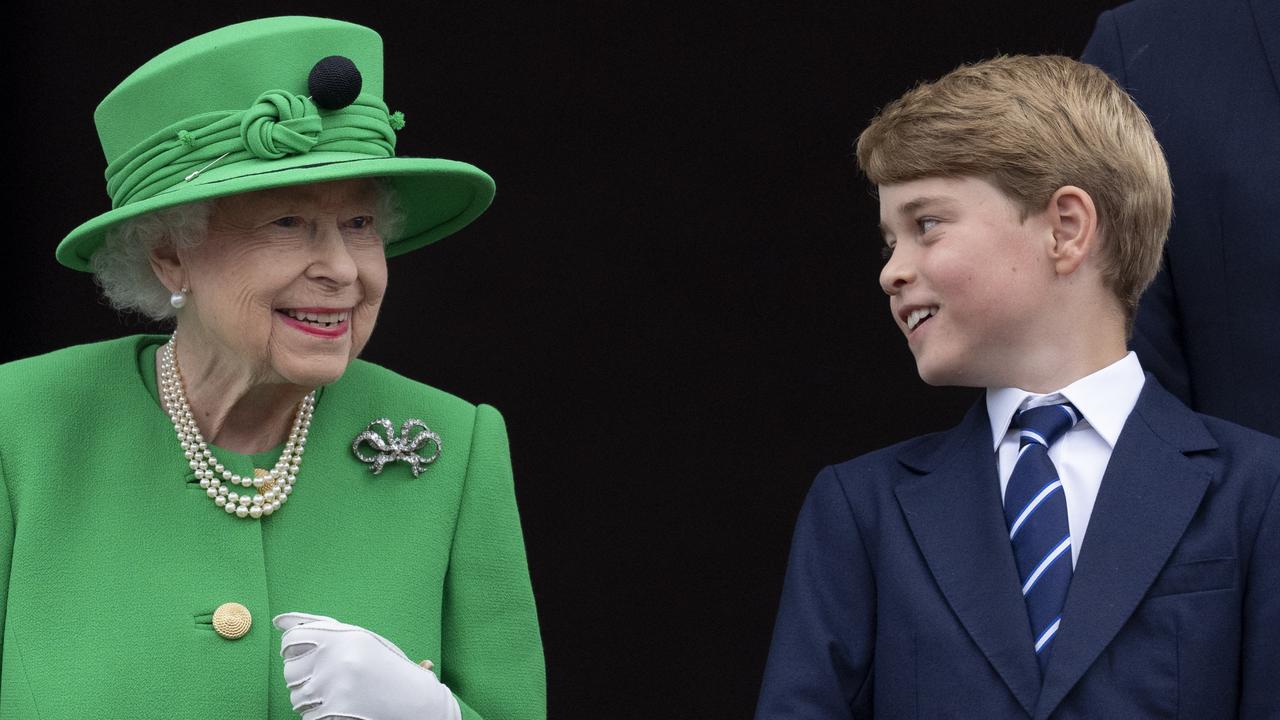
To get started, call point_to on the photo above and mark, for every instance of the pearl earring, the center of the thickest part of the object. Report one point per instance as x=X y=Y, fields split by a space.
x=178 y=299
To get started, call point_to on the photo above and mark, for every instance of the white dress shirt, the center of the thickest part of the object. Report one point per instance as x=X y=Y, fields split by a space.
x=1105 y=400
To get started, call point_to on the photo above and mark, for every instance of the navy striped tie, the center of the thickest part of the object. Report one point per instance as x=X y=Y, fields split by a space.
x=1035 y=511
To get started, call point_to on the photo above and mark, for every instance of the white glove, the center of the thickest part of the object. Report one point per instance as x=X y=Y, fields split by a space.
x=336 y=670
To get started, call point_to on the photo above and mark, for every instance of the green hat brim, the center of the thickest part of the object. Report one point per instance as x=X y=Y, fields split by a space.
x=437 y=196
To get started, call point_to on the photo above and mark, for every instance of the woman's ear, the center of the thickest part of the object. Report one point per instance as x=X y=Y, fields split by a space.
x=167 y=265
x=1073 y=219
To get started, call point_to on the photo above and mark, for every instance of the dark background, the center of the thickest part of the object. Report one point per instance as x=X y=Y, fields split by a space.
x=673 y=299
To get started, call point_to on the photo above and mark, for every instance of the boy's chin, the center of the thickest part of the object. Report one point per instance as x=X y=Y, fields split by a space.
x=939 y=375
x=934 y=379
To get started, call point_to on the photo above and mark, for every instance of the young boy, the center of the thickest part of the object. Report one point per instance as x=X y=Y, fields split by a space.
x=1081 y=544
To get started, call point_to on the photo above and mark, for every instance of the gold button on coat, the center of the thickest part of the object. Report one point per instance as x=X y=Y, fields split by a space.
x=232 y=620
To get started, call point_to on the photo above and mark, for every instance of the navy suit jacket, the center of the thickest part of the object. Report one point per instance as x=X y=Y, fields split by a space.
x=902 y=599
x=1207 y=73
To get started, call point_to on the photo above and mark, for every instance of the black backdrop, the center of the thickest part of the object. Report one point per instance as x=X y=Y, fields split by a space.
x=673 y=299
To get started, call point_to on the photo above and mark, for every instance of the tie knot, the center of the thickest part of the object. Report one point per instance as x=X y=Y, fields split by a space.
x=1046 y=424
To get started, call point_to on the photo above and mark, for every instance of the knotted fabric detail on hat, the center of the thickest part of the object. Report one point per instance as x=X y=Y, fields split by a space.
x=280 y=124
x=277 y=125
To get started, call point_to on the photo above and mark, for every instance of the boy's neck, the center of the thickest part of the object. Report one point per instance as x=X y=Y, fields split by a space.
x=1052 y=371
x=1086 y=338
x=1082 y=329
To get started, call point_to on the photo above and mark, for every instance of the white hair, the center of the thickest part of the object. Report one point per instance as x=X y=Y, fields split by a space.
x=122 y=266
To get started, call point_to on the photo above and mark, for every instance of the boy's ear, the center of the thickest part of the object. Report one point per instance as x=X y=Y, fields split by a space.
x=1073 y=219
x=167 y=266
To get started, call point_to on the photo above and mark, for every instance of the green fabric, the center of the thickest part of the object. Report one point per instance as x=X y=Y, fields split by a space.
x=229 y=112
x=112 y=559
x=278 y=124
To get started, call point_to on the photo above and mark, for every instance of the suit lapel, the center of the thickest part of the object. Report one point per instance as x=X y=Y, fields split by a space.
x=1149 y=494
x=955 y=514
x=1266 y=16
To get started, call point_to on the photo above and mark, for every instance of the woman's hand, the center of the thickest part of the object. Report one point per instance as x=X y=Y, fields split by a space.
x=336 y=670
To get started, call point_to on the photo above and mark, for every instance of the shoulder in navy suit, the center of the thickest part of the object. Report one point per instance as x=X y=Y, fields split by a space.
x=1207 y=73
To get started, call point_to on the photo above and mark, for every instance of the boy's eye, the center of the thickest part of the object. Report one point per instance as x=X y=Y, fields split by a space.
x=361 y=222
x=290 y=221
x=886 y=252
x=926 y=224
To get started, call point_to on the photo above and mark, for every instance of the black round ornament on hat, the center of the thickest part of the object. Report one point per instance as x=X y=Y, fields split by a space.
x=334 y=82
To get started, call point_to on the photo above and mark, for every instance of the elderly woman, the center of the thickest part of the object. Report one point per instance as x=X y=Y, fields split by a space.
x=163 y=499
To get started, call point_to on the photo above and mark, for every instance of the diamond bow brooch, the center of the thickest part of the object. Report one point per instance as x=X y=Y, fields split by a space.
x=413 y=435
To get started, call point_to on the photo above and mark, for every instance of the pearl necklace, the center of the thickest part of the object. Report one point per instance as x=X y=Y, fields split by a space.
x=271 y=489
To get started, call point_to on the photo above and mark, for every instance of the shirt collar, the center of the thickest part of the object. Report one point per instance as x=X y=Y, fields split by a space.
x=1105 y=398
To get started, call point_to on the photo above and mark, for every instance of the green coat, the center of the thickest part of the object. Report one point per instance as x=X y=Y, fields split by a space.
x=112 y=558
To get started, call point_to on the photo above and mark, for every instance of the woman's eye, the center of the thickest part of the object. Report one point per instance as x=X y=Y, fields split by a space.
x=886 y=252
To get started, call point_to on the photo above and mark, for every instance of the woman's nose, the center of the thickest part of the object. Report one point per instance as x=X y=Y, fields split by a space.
x=332 y=258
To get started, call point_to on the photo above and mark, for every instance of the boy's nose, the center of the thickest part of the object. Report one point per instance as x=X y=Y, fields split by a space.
x=897 y=272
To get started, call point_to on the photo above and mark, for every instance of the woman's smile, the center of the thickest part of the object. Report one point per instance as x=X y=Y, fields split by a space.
x=317 y=321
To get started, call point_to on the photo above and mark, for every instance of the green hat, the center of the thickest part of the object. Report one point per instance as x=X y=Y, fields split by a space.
x=264 y=104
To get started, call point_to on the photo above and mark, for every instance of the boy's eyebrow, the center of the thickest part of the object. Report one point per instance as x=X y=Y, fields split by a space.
x=913 y=206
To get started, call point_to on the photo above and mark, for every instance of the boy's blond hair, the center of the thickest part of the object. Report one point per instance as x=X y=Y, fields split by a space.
x=1030 y=125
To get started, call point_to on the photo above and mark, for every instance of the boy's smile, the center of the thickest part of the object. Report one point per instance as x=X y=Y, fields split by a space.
x=916 y=316
x=968 y=283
